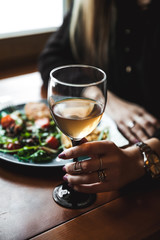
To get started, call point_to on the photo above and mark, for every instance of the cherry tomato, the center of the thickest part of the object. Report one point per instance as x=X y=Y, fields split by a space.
x=43 y=122
x=52 y=142
x=13 y=146
x=7 y=121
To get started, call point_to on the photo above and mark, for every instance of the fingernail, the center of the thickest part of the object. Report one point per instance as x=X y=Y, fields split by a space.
x=65 y=178
x=64 y=168
x=62 y=155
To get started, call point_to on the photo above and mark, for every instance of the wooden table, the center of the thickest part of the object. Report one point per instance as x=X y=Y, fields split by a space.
x=27 y=210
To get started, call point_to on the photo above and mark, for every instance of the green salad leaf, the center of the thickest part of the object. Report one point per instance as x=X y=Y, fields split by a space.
x=27 y=141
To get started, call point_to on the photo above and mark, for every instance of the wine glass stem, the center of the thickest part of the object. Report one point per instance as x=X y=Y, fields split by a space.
x=75 y=143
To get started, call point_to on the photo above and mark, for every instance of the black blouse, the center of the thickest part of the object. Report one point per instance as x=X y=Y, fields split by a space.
x=134 y=65
x=134 y=59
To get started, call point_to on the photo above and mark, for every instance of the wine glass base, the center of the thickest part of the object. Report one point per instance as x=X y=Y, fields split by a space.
x=67 y=197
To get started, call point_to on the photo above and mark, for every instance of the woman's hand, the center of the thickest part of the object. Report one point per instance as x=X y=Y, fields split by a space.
x=135 y=123
x=109 y=167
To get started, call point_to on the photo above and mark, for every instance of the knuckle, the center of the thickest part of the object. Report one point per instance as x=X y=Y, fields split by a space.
x=87 y=147
x=85 y=165
x=71 y=152
x=69 y=167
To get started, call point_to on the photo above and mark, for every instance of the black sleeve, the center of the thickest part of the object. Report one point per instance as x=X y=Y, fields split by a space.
x=57 y=51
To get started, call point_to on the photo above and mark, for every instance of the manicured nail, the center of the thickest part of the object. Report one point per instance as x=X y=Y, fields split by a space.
x=65 y=178
x=64 y=168
x=62 y=155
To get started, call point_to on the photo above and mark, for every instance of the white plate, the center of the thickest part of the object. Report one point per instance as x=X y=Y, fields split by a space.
x=114 y=134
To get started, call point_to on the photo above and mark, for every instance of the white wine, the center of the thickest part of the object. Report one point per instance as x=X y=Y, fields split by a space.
x=77 y=117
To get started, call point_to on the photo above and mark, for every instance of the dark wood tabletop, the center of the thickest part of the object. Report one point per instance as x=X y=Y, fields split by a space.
x=28 y=211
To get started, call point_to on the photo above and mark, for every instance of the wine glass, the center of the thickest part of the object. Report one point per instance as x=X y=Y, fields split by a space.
x=77 y=98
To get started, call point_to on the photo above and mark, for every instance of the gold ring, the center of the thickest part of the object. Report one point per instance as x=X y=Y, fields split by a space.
x=101 y=175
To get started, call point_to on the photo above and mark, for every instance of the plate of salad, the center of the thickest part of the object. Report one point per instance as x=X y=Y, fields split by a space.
x=29 y=136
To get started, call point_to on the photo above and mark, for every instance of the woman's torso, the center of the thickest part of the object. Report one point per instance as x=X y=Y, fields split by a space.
x=134 y=58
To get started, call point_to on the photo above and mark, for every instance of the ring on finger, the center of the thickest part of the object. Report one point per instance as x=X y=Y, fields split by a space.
x=102 y=175
x=77 y=167
x=130 y=124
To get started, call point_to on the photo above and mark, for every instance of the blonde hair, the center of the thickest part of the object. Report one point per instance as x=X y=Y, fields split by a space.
x=90 y=30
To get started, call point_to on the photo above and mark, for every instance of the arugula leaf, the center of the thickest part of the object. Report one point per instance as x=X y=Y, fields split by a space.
x=40 y=156
x=29 y=155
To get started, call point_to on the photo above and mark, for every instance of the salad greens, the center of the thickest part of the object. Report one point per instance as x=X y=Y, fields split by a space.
x=34 y=141
x=28 y=140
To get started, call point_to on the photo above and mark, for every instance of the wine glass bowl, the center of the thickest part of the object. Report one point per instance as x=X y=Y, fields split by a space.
x=77 y=97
